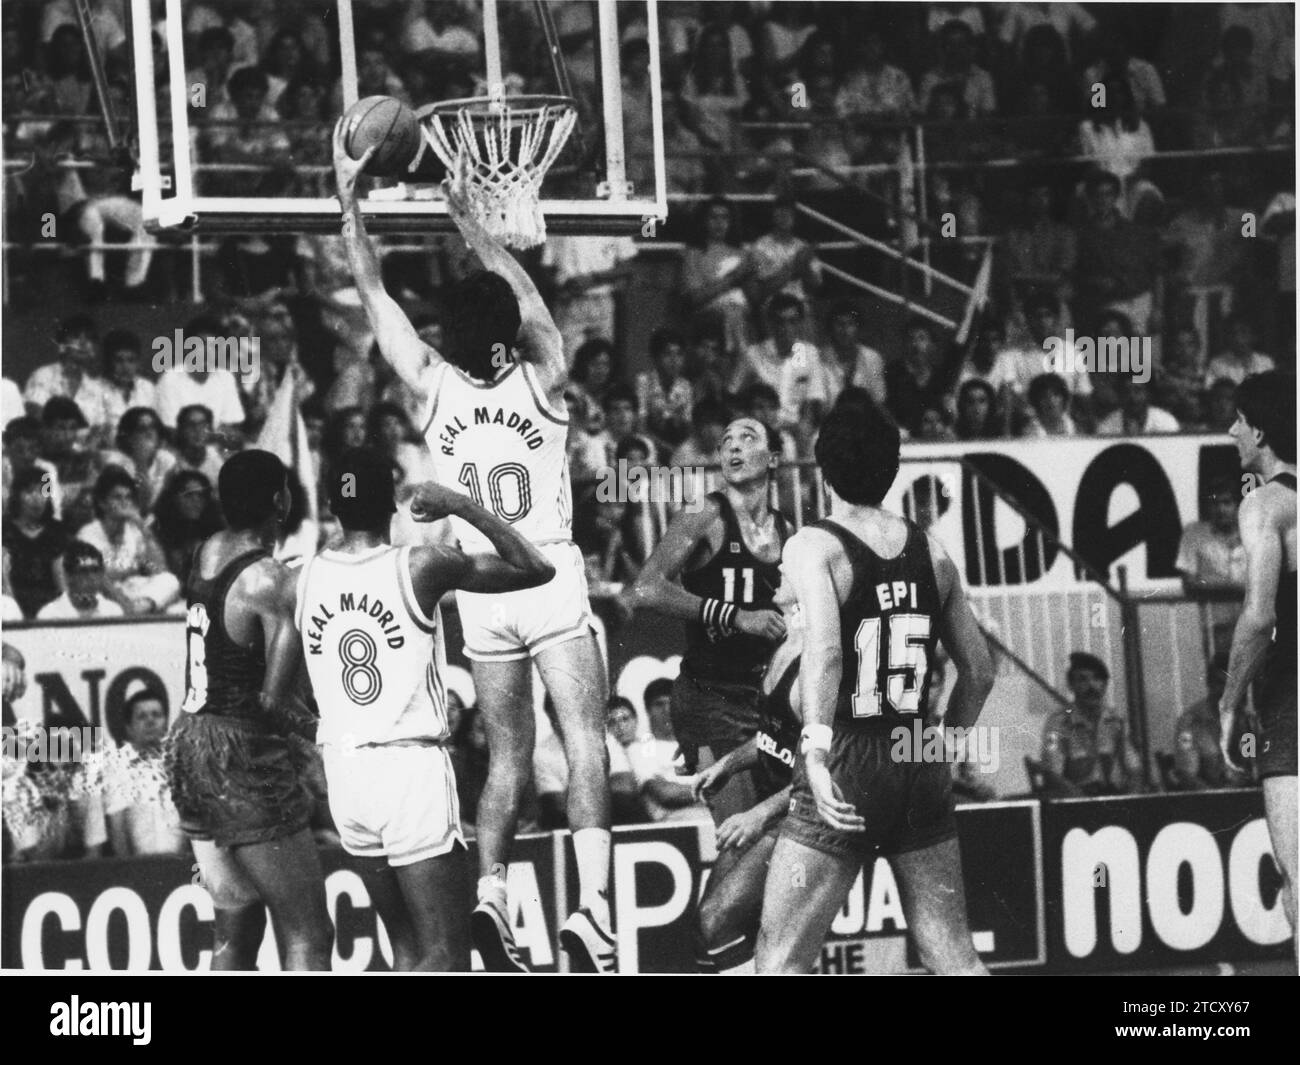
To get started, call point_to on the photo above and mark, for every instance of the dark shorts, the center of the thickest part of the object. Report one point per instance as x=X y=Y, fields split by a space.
x=1275 y=703
x=907 y=805
x=720 y=717
x=234 y=782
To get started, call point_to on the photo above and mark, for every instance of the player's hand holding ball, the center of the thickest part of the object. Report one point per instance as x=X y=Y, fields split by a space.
x=433 y=501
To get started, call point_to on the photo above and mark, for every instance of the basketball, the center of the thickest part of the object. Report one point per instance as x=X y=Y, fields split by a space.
x=388 y=124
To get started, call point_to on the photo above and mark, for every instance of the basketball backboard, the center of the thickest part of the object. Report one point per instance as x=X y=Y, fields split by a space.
x=213 y=161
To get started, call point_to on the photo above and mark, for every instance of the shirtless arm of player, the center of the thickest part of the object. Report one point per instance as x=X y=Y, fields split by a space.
x=659 y=585
x=518 y=565
x=808 y=560
x=398 y=341
x=1254 y=631
x=542 y=344
x=960 y=635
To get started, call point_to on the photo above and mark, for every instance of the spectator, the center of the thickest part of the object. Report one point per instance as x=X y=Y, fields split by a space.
x=1118 y=266
x=587 y=271
x=709 y=420
x=1198 y=763
x=194 y=449
x=1278 y=225
x=137 y=797
x=957 y=68
x=85 y=596
x=216 y=53
x=1221 y=405
x=54 y=809
x=871 y=87
x=121 y=387
x=847 y=362
x=283 y=63
x=62 y=426
x=345 y=430
x=977 y=413
x=1136 y=416
x=608 y=550
x=780 y=261
x=1204 y=243
x=1117 y=61
x=714 y=272
x=440 y=33
x=1181 y=375
x=621 y=420
x=932 y=427
x=586 y=451
x=68 y=68
x=244 y=130
x=22 y=441
x=1086 y=749
x=215 y=389
x=278 y=351
x=1212 y=560
x=712 y=364
x=34 y=539
x=1241 y=359
x=1039 y=251
x=1246 y=80
x=785 y=362
x=139 y=451
x=1222 y=121
x=138 y=578
x=917 y=380
x=652 y=755
x=593 y=373
x=391 y=433
x=1046 y=68
x=780 y=43
x=186 y=514
x=71 y=376
x=1049 y=398
x=1119 y=141
x=664 y=394
x=1070 y=22
x=712 y=94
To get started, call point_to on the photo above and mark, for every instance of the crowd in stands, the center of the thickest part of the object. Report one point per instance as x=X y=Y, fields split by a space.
x=109 y=468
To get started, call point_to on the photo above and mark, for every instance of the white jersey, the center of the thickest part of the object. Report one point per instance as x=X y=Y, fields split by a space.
x=501 y=444
x=376 y=661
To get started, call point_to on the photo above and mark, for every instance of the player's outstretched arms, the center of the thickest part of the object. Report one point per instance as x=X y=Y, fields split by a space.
x=542 y=343
x=397 y=339
x=960 y=635
x=270 y=588
x=1254 y=630
x=519 y=565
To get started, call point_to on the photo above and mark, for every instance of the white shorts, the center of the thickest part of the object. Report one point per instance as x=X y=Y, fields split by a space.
x=517 y=625
x=393 y=802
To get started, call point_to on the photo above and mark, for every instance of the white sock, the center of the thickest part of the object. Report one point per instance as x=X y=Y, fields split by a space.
x=492 y=888
x=592 y=847
x=745 y=968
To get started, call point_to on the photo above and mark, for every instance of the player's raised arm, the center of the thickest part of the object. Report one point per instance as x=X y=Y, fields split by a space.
x=1254 y=631
x=542 y=343
x=517 y=565
x=960 y=635
x=398 y=341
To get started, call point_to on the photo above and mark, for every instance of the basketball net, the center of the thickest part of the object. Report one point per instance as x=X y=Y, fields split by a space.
x=510 y=143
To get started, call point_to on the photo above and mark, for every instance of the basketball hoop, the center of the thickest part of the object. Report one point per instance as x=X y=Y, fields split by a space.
x=511 y=142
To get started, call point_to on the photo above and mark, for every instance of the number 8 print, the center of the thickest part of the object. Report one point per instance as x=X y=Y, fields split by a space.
x=361 y=678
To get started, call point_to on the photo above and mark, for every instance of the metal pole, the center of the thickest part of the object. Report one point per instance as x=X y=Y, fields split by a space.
x=347 y=54
x=496 y=84
x=1133 y=673
x=615 y=184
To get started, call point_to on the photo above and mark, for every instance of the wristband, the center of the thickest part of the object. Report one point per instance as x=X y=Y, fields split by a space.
x=815 y=738
x=718 y=618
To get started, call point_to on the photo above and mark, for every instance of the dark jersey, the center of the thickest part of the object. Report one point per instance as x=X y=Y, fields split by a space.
x=221 y=677
x=889 y=625
x=1282 y=654
x=777 y=736
x=733 y=575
